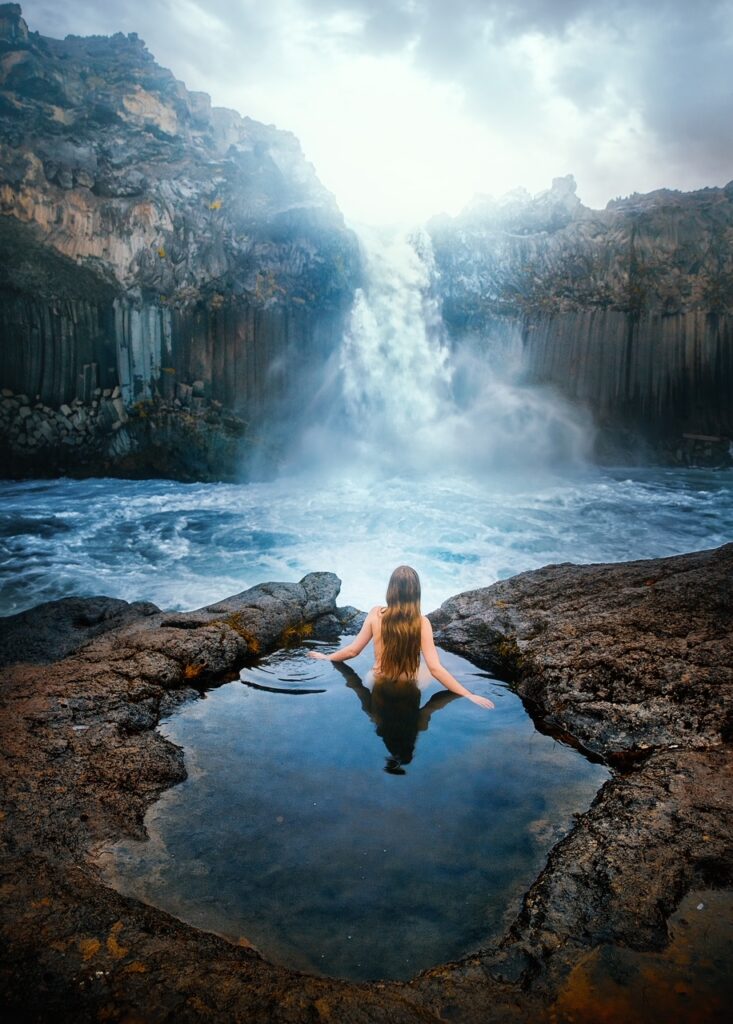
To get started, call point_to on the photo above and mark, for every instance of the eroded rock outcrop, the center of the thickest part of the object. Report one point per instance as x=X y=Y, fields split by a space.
x=623 y=657
x=628 y=310
x=633 y=663
x=82 y=761
x=151 y=241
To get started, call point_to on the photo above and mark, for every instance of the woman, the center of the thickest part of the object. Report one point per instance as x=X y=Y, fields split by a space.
x=400 y=634
x=395 y=710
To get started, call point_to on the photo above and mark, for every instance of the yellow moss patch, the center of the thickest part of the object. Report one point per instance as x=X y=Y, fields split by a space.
x=136 y=967
x=509 y=651
x=193 y=670
x=292 y=635
x=113 y=946
x=45 y=902
x=162 y=252
x=89 y=948
x=323 y=1009
x=216 y=205
x=235 y=621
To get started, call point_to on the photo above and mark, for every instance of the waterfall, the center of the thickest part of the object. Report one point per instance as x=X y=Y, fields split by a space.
x=400 y=397
x=394 y=362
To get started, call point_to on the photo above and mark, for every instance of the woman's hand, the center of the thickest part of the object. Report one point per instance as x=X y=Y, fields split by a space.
x=319 y=655
x=483 y=702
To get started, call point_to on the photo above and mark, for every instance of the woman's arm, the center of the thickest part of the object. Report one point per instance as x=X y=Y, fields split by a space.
x=432 y=660
x=351 y=650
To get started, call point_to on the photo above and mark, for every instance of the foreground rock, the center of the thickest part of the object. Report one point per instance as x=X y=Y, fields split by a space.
x=82 y=761
x=622 y=657
x=56 y=629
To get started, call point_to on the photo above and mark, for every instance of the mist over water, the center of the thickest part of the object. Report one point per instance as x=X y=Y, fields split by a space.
x=414 y=451
x=186 y=545
x=399 y=398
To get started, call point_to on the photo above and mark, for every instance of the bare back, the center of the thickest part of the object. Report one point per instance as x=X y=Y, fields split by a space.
x=376 y=622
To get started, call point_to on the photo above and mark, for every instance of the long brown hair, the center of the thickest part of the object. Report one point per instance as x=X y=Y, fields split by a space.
x=401 y=625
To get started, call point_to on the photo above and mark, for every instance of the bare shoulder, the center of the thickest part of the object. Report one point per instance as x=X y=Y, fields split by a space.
x=426 y=624
x=375 y=611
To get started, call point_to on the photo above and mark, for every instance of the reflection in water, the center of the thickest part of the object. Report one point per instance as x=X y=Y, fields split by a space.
x=289 y=831
x=394 y=707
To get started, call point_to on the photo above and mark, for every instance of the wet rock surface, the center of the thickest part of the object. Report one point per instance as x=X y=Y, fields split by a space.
x=82 y=761
x=625 y=658
x=56 y=629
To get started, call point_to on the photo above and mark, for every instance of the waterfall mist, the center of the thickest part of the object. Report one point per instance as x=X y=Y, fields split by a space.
x=400 y=398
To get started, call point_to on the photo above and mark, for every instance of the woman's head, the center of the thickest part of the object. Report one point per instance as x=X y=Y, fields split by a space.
x=401 y=625
x=403 y=586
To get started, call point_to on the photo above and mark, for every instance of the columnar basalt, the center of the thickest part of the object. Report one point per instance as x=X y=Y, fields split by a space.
x=148 y=239
x=628 y=310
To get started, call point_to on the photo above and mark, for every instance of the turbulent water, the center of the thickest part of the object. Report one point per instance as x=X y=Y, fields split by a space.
x=415 y=452
x=183 y=546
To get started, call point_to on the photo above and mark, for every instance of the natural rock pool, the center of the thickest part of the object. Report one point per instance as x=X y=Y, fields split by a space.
x=350 y=830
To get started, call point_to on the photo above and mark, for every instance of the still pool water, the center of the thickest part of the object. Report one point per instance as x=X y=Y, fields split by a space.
x=349 y=830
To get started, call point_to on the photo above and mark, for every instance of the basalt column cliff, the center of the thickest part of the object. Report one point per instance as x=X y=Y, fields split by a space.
x=169 y=271
x=628 y=310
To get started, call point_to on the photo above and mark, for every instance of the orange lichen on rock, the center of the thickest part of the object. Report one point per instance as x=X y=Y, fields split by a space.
x=136 y=967
x=113 y=946
x=89 y=948
x=292 y=635
x=236 y=622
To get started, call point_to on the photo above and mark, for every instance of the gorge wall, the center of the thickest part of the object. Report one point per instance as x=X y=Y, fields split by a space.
x=171 y=274
x=628 y=310
x=163 y=263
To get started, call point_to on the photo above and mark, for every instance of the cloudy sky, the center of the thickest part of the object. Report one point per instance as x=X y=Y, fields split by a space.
x=410 y=107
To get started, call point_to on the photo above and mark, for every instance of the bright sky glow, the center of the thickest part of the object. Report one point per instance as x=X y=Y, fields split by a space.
x=410 y=109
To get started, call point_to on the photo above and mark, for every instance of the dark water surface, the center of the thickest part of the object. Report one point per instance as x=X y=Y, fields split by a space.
x=355 y=832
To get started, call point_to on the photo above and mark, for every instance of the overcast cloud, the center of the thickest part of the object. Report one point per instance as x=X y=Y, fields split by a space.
x=409 y=108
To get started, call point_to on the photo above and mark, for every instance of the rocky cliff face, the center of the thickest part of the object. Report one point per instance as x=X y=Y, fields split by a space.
x=152 y=242
x=627 y=309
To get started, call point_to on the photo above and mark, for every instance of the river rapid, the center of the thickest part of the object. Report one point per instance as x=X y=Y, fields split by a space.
x=186 y=545
x=409 y=448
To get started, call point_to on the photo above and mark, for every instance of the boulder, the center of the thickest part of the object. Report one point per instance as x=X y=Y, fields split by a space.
x=624 y=657
x=55 y=629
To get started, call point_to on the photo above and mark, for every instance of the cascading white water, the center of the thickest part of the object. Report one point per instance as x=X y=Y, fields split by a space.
x=415 y=403
x=395 y=365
